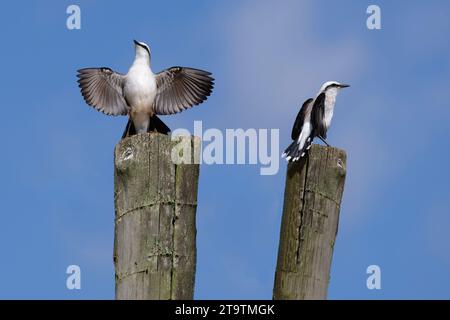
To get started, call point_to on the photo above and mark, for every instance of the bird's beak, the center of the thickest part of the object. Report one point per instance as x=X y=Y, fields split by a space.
x=344 y=85
x=135 y=42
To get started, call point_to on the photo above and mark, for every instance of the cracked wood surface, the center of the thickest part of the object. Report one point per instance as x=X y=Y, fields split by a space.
x=312 y=199
x=155 y=229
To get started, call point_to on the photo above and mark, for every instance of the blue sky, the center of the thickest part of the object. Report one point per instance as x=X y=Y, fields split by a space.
x=267 y=58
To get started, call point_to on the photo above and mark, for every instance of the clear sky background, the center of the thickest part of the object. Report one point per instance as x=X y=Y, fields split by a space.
x=267 y=57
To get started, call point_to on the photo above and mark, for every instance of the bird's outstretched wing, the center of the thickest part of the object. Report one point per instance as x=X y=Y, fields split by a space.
x=299 y=121
x=180 y=88
x=317 y=115
x=102 y=89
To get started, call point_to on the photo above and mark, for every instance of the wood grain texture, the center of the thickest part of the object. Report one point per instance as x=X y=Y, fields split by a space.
x=155 y=220
x=312 y=199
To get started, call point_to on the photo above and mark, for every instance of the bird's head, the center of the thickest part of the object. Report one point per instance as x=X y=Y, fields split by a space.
x=142 y=49
x=333 y=85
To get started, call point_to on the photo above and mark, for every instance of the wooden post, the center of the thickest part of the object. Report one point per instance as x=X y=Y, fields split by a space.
x=309 y=225
x=155 y=230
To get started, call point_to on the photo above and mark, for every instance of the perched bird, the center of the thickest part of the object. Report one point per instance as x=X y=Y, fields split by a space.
x=313 y=120
x=141 y=94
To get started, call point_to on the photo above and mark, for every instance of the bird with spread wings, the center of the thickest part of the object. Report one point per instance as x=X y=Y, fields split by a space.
x=141 y=94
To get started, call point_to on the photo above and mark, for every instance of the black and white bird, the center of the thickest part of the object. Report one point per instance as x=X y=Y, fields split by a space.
x=141 y=94
x=313 y=120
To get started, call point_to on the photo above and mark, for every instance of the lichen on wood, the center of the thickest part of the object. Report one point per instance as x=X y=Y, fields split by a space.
x=312 y=199
x=155 y=214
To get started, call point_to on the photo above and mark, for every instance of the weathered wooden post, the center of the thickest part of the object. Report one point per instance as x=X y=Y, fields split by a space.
x=309 y=225
x=155 y=230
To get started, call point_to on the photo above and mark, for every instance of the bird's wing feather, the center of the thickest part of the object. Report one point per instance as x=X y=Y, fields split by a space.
x=300 y=119
x=180 y=88
x=317 y=116
x=102 y=89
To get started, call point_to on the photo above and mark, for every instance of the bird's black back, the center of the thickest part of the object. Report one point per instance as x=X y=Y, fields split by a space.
x=317 y=117
x=300 y=119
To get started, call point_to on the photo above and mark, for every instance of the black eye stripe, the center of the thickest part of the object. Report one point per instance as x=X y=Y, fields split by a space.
x=145 y=47
x=332 y=85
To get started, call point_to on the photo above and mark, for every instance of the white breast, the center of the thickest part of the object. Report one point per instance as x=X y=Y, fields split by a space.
x=330 y=100
x=140 y=89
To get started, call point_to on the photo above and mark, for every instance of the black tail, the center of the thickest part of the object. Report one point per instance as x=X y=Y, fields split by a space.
x=155 y=125
x=294 y=153
x=129 y=129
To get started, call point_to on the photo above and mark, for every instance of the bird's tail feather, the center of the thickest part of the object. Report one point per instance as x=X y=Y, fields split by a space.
x=155 y=125
x=129 y=129
x=294 y=152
